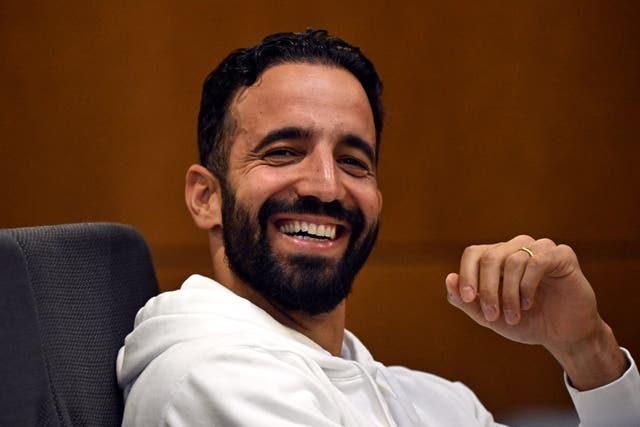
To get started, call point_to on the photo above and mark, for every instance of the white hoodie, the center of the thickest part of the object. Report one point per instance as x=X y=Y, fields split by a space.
x=203 y=356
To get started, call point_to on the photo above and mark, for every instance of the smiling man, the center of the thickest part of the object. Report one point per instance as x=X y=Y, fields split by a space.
x=289 y=132
x=299 y=201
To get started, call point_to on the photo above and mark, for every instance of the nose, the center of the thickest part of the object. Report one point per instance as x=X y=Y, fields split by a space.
x=320 y=178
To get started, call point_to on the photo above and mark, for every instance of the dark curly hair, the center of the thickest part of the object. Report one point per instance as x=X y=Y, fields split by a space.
x=243 y=67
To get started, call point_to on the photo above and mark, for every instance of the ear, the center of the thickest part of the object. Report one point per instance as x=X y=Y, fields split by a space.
x=379 y=202
x=203 y=197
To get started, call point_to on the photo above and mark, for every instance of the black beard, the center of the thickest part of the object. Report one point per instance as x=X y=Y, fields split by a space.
x=309 y=284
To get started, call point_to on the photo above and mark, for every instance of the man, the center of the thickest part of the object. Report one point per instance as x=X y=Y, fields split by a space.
x=288 y=134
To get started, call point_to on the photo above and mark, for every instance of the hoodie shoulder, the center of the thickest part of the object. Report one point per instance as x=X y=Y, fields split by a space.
x=199 y=383
x=203 y=342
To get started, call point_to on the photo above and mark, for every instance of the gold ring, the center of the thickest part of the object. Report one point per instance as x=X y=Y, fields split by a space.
x=527 y=250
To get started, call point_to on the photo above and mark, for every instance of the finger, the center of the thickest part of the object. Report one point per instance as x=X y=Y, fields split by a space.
x=470 y=309
x=514 y=267
x=545 y=252
x=490 y=265
x=468 y=280
x=453 y=294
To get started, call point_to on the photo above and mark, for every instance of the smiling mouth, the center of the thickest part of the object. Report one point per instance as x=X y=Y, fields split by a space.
x=309 y=231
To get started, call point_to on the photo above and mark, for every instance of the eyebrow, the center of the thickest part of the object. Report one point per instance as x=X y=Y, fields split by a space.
x=291 y=132
x=358 y=143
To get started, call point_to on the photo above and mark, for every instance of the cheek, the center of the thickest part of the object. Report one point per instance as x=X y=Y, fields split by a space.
x=369 y=202
x=253 y=190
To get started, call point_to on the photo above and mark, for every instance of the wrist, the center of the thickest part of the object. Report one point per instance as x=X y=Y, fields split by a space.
x=593 y=361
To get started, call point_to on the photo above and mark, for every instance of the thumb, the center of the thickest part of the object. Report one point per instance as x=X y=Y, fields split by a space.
x=471 y=309
x=451 y=282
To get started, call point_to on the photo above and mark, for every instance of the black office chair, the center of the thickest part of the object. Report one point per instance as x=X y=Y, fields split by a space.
x=68 y=297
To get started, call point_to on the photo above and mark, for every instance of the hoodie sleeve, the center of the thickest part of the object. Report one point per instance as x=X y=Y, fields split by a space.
x=614 y=404
x=236 y=386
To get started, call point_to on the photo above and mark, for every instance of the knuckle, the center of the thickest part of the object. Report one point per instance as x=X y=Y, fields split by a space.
x=509 y=297
x=567 y=251
x=524 y=238
x=535 y=262
x=512 y=261
x=469 y=250
x=546 y=242
x=487 y=298
x=526 y=286
x=490 y=257
x=565 y=248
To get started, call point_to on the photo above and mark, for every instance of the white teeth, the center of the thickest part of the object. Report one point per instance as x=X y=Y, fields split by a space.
x=320 y=230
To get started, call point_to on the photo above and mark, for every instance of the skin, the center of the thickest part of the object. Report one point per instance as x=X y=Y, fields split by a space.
x=316 y=113
x=541 y=299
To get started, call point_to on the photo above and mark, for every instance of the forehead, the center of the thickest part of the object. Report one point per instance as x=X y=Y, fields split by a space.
x=303 y=94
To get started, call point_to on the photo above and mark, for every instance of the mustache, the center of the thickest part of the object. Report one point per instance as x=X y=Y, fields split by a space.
x=313 y=206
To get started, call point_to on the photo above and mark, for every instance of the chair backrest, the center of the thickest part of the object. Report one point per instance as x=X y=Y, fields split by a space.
x=68 y=297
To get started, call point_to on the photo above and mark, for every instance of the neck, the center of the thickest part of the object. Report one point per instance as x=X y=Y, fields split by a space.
x=326 y=329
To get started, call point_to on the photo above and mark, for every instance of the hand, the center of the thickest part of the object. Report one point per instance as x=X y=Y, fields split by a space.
x=538 y=299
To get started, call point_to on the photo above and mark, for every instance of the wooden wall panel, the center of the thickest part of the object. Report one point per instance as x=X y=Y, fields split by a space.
x=502 y=118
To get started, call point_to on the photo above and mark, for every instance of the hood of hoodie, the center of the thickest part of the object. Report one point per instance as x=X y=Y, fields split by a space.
x=203 y=308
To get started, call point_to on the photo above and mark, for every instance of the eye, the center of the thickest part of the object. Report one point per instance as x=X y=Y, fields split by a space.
x=281 y=156
x=280 y=152
x=354 y=166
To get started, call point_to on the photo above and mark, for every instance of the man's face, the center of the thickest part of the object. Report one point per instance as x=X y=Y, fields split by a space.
x=301 y=202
